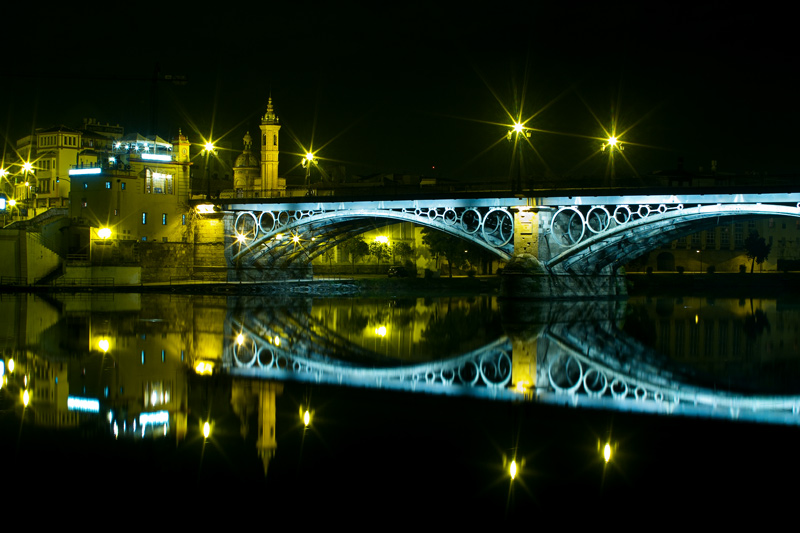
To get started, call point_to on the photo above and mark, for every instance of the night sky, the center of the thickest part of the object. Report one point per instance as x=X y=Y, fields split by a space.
x=426 y=90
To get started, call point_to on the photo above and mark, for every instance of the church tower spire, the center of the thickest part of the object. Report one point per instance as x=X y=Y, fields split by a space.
x=270 y=126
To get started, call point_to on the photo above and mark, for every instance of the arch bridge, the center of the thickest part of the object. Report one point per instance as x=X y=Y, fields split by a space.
x=569 y=235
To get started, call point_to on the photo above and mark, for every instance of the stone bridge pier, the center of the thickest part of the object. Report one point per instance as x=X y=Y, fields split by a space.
x=536 y=243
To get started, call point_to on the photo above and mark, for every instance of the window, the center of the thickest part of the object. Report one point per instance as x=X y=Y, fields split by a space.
x=163 y=219
x=108 y=185
x=144 y=218
x=144 y=239
x=85 y=185
x=163 y=239
x=122 y=186
x=183 y=220
x=116 y=212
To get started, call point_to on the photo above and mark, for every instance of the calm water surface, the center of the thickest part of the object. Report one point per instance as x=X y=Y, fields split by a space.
x=431 y=395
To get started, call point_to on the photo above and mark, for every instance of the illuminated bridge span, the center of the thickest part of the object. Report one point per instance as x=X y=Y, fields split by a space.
x=286 y=346
x=588 y=364
x=579 y=235
x=604 y=368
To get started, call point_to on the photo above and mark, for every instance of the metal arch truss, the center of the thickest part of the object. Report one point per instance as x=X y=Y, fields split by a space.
x=486 y=370
x=633 y=381
x=587 y=238
x=303 y=234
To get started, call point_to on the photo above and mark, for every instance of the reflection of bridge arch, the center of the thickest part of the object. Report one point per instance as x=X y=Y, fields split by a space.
x=585 y=239
x=297 y=233
x=598 y=367
x=285 y=348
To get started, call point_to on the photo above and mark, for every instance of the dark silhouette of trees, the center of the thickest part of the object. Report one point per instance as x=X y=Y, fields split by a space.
x=757 y=249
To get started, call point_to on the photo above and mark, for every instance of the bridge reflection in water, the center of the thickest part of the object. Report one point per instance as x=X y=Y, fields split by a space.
x=563 y=353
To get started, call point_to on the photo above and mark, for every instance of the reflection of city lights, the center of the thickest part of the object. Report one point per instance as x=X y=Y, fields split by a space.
x=522 y=385
x=10 y=365
x=512 y=470
x=205 y=208
x=607 y=452
x=306 y=418
x=380 y=331
x=206 y=430
x=239 y=339
x=382 y=239
x=25 y=398
x=204 y=368
x=103 y=344
x=277 y=341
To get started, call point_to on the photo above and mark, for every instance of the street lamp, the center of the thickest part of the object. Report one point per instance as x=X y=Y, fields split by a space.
x=208 y=149
x=612 y=143
x=516 y=130
x=306 y=163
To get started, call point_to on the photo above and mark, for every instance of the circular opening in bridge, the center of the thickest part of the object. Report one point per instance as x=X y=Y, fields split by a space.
x=470 y=221
x=568 y=226
x=498 y=227
x=266 y=221
x=598 y=219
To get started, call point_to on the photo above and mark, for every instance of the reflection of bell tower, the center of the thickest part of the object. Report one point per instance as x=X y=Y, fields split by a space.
x=270 y=127
x=244 y=402
x=267 y=443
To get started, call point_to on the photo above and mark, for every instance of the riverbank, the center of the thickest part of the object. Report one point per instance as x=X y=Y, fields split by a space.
x=720 y=284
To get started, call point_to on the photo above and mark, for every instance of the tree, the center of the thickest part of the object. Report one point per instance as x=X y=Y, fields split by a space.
x=457 y=251
x=403 y=249
x=355 y=247
x=380 y=250
x=757 y=249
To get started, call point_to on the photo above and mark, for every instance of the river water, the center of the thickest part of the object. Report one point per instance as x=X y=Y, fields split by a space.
x=409 y=399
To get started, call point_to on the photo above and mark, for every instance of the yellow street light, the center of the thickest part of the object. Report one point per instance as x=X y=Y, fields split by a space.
x=607 y=452
x=10 y=365
x=206 y=430
x=104 y=233
x=306 y=418
x=103 y=344
x=241 y=238
x=209 y=146
x=612 y=143
x=25 y=398
x=512 y=470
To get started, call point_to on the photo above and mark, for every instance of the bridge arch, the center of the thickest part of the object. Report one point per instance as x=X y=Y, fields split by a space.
x=297 y=236
x=586 y=240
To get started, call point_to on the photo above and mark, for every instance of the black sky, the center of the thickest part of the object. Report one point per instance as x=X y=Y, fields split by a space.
x=411 y=87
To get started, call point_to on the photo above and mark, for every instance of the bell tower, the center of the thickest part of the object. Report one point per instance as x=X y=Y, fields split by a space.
x=270 y=126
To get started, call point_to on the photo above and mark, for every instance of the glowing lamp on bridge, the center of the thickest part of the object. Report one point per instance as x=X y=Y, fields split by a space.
x=383 y=239
x=516 y=129
x=241 y=238
x=204 y=208
x=612 y=143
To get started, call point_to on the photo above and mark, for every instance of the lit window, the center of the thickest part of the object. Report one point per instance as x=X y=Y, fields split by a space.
x=108 y=185
x=183 y=220
x=163 y=219
x=144 y=239
x=85 y=185
x=144 y=218
x=122 y=185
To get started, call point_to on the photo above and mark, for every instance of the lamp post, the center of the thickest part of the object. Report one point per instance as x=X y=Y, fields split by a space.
x=208 y=149
x=516 y=130
x=306 y=163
